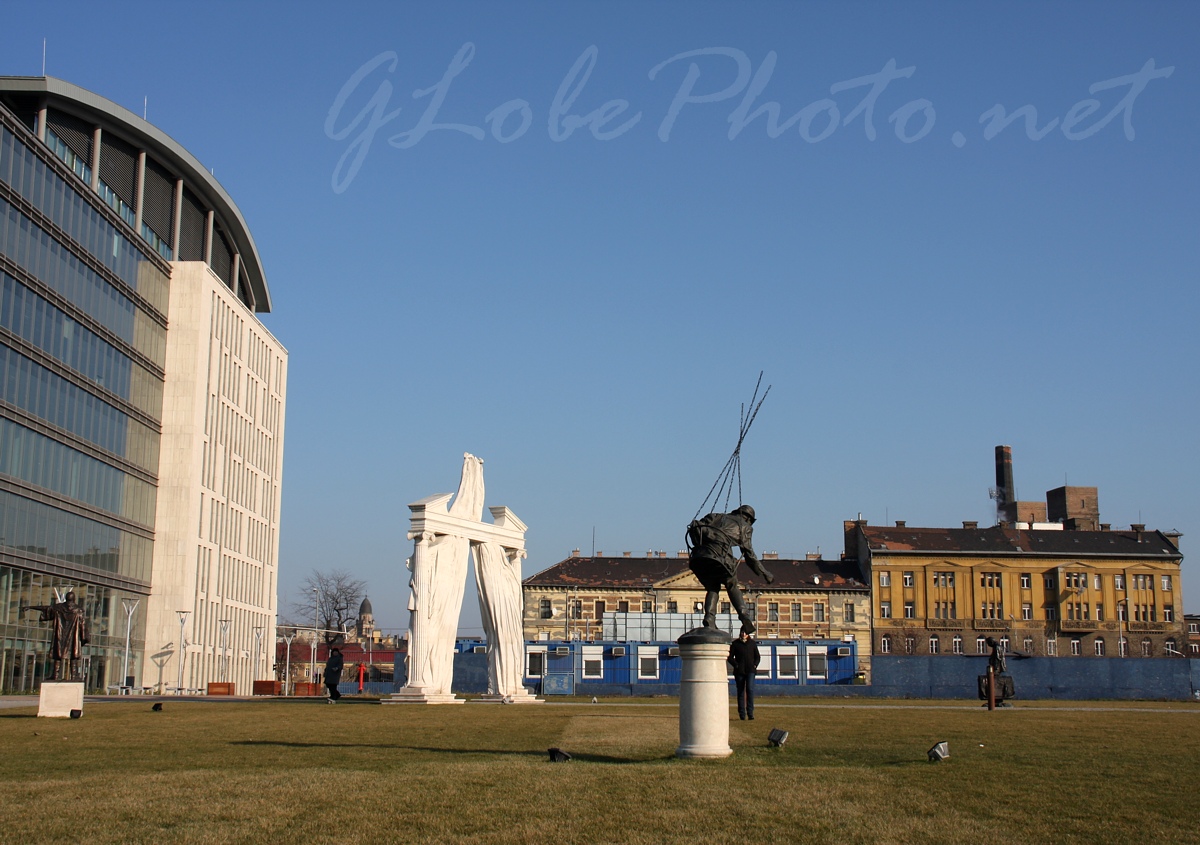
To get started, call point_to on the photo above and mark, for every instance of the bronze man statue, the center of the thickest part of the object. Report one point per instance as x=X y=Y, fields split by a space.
x=711 y=540
x=70 y=633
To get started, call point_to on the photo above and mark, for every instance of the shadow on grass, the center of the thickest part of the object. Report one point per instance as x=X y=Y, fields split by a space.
x=585 y=758
x=18 y=715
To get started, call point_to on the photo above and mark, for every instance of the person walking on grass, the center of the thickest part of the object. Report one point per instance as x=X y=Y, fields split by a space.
x=333 y=674
x=743 y=654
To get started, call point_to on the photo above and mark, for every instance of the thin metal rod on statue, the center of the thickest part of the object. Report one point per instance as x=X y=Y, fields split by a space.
x=733 y=466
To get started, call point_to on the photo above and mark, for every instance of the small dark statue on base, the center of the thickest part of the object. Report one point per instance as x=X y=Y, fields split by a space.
x=711 y=540
x=70 y=634
x=1004 y=682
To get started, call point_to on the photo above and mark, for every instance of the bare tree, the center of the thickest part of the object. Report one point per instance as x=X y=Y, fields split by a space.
x=332 y=599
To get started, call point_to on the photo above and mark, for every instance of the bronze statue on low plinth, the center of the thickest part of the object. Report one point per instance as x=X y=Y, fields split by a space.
x=69 y=637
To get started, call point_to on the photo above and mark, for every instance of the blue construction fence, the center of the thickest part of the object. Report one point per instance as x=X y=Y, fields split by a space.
x=908 y=676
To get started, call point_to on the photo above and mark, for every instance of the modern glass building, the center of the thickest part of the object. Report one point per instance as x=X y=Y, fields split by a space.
x=141 y=401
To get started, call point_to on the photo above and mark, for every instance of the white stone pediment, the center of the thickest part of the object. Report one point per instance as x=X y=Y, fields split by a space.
x=685 y=580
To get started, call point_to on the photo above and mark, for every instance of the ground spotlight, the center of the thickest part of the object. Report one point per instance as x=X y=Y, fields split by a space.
x=777 y=737
x=557 y=755
x=939 y=752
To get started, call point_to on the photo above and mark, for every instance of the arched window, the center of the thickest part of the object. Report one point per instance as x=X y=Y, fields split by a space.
x=981 y=645
x=910 y=645
x=1123 y=647
x=1147 y=648
x=958 y=644
x=1098 y=646
x=1027 y=645
x=885 y=644
x=1170 y=648
x=935 y=645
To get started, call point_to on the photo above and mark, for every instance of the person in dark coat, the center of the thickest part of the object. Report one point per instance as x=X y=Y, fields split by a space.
x=333 y=673
x=743 y=654
x=711 y=540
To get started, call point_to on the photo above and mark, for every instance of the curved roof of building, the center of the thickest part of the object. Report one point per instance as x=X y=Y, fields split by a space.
x=365 y=608
x=160 y=146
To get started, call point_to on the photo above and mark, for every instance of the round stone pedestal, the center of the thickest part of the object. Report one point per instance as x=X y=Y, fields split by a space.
x=704 y=695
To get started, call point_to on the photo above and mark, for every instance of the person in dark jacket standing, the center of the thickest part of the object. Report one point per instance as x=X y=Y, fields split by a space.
x=333 y=674
x=743 y=654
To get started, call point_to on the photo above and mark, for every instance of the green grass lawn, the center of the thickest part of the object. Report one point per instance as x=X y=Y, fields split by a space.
x=300 y=771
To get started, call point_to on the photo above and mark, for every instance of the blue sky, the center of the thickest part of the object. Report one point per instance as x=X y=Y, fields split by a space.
x=585 y=299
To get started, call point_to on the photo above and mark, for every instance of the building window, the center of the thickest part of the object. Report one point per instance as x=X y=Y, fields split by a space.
x=577 y=610
x=885 y=644
x=1095 y=582
x=672 y=607
x=772 y=611
x=908 y=579
x=1004 y=645
x=1051 y=613
x=910 y=645
x=622 y=607
x=647 y=662
x=1052 y=646
x=910 y=612
x=797 y=615
x=1168 y=614
x=1166 y=583
x=1170 y=647
x=934 y=644
x=1076 y=646
x=1026 y=611
x=848 y=612
x=1026 y=580
x=600 y=607
x=1048 y=582
x=817 y=664
x=544 y=609
x=989 y=579
x=1027 y=645
x=1195 y=649
x=943 y=579
x=1123 y=647
x=535 y=664
x=885 y=578
x=1099 y=613
x=647 y=607
x=1122 y=611
x=725 y=607
x=981 y=646
x=788 y=667
x=818 y=612
x=1098 y=646
x=1147 y=648
x=593 y=661
x=1119 y=582
x=1194 y=627
x=698 y=607
x=885 y=610
x=957 y=644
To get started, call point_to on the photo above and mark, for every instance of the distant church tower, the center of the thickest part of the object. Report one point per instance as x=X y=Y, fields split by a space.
x=366 y=620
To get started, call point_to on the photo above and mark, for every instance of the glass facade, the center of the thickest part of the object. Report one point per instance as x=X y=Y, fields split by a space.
x=82 y=348
x=25 y=658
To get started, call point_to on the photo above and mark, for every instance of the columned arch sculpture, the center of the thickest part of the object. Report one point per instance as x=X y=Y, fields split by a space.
x=445 y=535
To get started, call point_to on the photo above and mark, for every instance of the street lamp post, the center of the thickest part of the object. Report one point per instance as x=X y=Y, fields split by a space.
x=224 y=649
x=130 y=606
x=287 y=660
x=183 y=615
x=1122 y=647
x=258 y=635
x=312 y=666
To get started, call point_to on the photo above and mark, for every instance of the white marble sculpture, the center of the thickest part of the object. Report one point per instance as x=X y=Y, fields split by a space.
x=444 y=538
